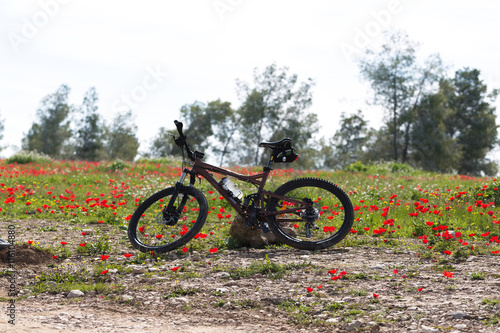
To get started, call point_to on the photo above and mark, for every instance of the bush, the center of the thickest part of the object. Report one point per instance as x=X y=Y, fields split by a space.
x=383 y=168
x=169 y=160
x=117 y=165
x=24 y=157
x=356 y=167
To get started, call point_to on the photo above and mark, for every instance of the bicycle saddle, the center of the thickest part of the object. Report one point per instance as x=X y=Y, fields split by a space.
x=284 y=143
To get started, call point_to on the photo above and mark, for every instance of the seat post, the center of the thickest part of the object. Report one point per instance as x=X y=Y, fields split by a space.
x=268 y=166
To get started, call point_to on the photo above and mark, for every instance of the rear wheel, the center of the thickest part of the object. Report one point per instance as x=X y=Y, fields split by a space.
x=324 y=224
x=153 y=229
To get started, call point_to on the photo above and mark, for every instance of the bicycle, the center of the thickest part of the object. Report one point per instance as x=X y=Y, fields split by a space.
x=305 y=213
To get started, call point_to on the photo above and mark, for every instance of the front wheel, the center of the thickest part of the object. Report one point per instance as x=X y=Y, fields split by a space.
x=153 y=229
x=326 y=222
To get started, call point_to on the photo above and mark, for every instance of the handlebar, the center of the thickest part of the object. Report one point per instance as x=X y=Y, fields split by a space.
x=179 y=126
x=181 y=142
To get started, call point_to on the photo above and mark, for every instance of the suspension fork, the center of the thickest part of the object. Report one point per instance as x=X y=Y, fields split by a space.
x=170 y=211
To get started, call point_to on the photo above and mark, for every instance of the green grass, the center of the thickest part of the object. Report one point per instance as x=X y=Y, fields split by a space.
x=74 y=193
x=268 y=268
x=179 y=291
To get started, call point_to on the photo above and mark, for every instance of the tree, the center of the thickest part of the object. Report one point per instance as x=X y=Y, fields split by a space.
x=2 y=127
x=122 y=142
x=163 y=145
x=49 y=134
x=206 y=123
x=274 y=108
x=225 y=124
x=398 y=82
x=378 y=144
x=348 y=142
x=472 y=121
x=198 y=125
x=432 y=148
x=89 y=144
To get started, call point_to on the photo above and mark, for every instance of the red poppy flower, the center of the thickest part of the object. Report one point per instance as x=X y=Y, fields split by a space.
x=395 y=271
x=333 y=271
x=104 y=257
x=309 y=289
x=64 y=243
x=104 y=272
x=30 y=242
x=173 y=269
x=185 y=249
x=375 y=295
x=83 y=244
x=448 y=274
x=128 y=255
x=214 y=250
x=420 y=289
x=84 y=233
x=54 y=257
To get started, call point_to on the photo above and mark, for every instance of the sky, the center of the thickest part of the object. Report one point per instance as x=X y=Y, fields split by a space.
x=154 y=56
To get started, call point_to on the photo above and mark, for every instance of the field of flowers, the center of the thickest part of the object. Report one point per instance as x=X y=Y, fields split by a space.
x=74 y=217
x=390 y=207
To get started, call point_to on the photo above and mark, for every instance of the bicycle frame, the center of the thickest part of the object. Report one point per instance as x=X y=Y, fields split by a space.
x=203 y=169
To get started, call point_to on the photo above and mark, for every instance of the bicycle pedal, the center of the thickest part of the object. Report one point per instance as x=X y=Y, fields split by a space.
x=265 y=228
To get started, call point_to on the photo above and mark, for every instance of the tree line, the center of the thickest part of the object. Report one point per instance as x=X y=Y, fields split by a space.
x=432 y=121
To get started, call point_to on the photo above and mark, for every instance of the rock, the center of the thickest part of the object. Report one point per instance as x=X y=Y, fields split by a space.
x=247 y=237
x=75 y=293
x=222 y=274
x=112 y=271
x=253 y=238
x=139 y=270
x=354 y=326
x=460 y=326
x=333 y=320
x=88 y=231
x=179 y=300
x=427 y=329
x=126 y=298
x=459 y=315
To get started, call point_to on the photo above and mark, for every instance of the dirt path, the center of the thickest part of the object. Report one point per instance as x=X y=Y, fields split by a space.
x=383 y=290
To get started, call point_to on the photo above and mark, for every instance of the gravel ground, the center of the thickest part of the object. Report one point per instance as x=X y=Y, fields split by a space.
x=385 y=289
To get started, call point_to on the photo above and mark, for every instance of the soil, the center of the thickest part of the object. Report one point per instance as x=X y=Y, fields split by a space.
x=212 y=293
